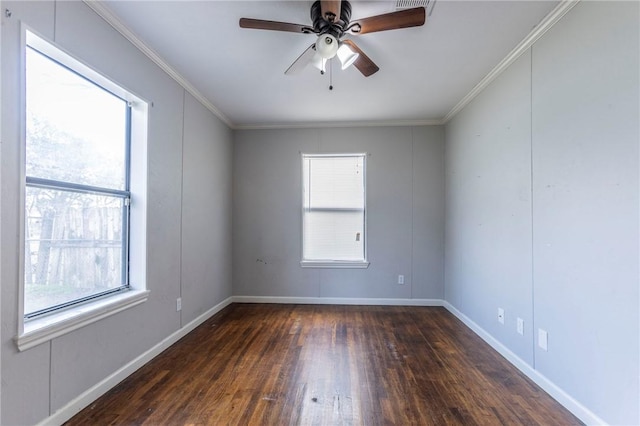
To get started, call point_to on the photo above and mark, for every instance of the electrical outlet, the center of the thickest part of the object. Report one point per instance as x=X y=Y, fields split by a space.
x=520 y=326
x=543 y=339
x=178 y=304
x=501 y=315
x=400 y=279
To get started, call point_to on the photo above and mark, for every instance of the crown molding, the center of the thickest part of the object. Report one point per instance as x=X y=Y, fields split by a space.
x=547 y=23
x=119 y=26
x=340 y=124
x=106 y=14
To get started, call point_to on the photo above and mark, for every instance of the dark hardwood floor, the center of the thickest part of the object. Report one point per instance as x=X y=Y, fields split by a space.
x=327 y=365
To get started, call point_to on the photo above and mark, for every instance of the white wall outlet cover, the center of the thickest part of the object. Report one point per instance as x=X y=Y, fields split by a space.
x=543 y=339
x=520 y=326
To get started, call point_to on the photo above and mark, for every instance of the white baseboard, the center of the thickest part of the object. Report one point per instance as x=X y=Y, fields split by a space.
x=337 y=301
x=578 y=410
x=86 y=398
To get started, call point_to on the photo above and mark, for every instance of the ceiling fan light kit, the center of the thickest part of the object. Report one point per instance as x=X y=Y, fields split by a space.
x=331 y=21
x=320 y=63
x=327 y=46
x=346 y=55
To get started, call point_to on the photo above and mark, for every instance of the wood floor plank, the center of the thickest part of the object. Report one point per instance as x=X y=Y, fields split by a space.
x=257 y=364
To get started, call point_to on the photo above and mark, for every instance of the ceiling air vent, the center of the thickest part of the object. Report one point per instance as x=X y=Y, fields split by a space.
x=408 y=4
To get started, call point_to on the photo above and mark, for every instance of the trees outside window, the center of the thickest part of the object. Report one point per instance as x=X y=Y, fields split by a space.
x=77 y=187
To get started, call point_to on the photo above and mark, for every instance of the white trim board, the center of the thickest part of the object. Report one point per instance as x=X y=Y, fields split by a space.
x=90 y=395
x=579 y=410
x=337 y=301
x=545 y=25
x=340 y=124
x=112 y=20
x=83 y=400
x=547 y=22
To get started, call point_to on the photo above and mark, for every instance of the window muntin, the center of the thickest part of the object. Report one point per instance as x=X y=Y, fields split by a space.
x=77 y=188
x=334 y=228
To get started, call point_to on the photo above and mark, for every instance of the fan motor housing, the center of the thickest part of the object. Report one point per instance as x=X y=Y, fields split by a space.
x=337 y=28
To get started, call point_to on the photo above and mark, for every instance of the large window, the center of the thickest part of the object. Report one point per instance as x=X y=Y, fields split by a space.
x=334 y=215
x=77 y=194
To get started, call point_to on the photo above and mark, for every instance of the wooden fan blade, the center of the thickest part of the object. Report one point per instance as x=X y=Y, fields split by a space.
x=302 y=61
x=390 y=21
x=260 y=24
x=330 y=10
x=364 y=64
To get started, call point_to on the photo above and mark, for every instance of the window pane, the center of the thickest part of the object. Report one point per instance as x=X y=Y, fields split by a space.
x=333 y=235
x=74 y=246
x=76 y=131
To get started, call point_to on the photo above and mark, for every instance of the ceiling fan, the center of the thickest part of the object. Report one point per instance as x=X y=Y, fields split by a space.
x=331 y=20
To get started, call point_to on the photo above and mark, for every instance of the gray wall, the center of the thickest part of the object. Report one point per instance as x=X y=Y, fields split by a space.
x=541 y=197
x=542 y=207
x=206 y=211
x=189 y=200
x=488 y=230
x=405 y=222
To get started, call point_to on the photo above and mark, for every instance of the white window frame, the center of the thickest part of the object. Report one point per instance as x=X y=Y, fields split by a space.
x=35 y=331
x=334 y=264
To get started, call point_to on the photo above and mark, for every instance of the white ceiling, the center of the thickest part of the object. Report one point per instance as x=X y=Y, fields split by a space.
x=424 y=71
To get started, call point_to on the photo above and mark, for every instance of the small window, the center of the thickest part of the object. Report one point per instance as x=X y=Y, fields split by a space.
x=77 y=192
x=334 y=214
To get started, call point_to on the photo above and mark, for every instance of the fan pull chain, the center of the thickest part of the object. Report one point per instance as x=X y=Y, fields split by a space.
x=331 y=75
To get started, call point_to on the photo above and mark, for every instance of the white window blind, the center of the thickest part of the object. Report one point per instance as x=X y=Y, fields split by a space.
x=334 y=208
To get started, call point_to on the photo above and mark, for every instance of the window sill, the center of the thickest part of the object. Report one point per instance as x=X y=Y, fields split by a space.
x=334 y=264
x=49 y=327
